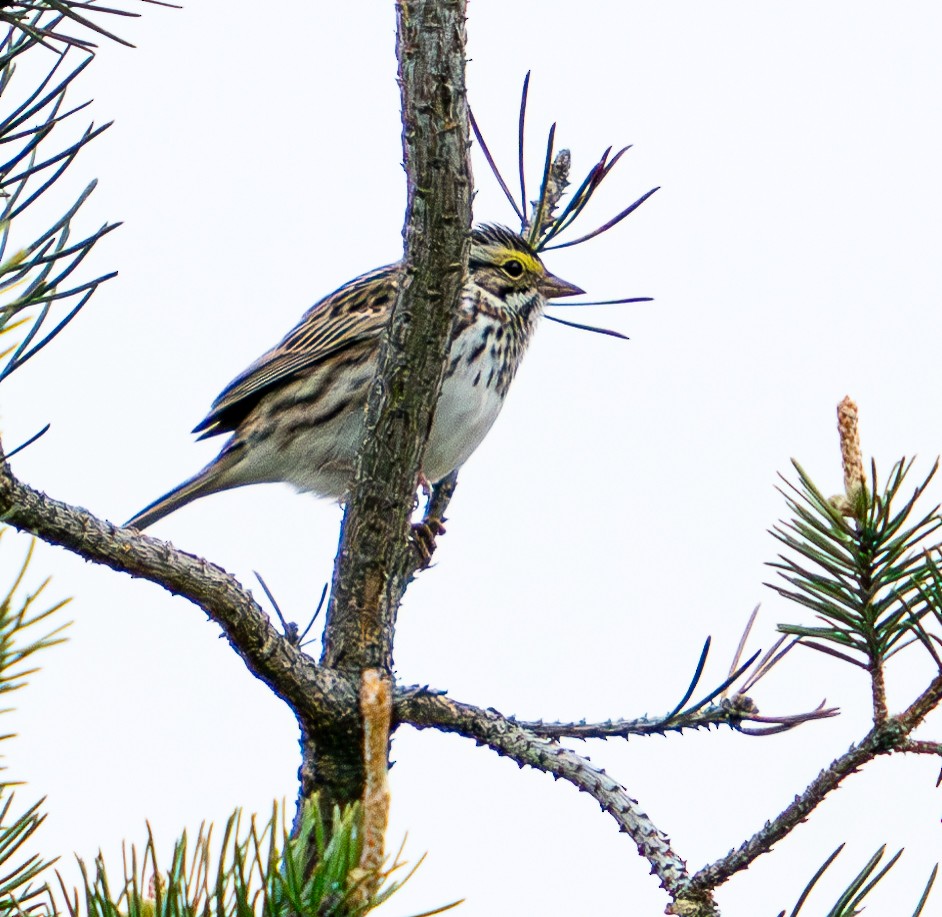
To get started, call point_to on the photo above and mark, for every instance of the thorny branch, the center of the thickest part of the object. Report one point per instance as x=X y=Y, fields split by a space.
x=891 y=735
x=725 y=714
x=922 y=747
x=718 y=707
x=375 y=559
x=309 y=691
x=423 y=709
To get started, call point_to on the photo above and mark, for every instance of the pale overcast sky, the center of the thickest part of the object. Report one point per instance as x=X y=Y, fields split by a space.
x=618 y=512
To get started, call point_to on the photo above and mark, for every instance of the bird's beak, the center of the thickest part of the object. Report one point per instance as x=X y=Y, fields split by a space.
x=553 y=287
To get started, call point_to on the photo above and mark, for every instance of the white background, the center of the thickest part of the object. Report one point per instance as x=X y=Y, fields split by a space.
x=618 y=512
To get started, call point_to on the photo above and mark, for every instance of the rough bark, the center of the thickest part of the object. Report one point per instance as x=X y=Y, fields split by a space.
x=376 y=559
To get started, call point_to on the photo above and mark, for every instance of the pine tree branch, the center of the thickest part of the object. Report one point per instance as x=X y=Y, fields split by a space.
x=375 y=557
x=312 y=692
x=424 y=710
x=922 y=706
x=923 y=747
x=721 y=706
x=887 y=737
x=712 y=715
x=878 y=688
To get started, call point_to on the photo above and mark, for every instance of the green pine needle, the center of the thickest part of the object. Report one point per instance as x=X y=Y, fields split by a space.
x=869 y=578
x=253 y=872
x=851 y=900
x=38 y=279
x=22 y=886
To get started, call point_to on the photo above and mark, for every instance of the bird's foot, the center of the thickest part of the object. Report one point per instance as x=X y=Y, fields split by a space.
x=424 y=534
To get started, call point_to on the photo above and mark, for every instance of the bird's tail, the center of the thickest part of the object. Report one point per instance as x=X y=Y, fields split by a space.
x=208 y=481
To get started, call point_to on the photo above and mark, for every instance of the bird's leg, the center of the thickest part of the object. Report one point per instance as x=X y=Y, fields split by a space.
x=425 y=486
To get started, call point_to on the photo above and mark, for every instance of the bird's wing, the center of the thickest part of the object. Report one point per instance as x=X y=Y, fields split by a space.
x=354 y=313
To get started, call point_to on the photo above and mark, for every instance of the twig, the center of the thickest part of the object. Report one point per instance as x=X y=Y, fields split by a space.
x=923 y=747
x=423 y=710
x=715 y=715
x=732 y=711
x=887 y=737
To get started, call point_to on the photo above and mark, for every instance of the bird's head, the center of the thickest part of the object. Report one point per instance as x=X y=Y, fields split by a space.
x=503 y=264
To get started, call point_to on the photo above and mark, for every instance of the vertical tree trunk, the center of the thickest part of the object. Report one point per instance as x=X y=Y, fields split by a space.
x=375 y=560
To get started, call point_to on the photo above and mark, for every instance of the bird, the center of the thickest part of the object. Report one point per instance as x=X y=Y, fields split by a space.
x=296 y=415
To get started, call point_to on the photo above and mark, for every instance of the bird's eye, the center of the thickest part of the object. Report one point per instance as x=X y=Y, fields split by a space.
x=513 y=268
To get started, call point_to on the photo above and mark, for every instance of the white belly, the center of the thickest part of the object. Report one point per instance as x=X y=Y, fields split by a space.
x=463 y=415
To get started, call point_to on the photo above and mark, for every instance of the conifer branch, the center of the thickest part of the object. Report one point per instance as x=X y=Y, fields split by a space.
x=922 y=747
x=892 y=735
x=376 y=558
x=423 y=709
x=310 y=691
x=726 y=714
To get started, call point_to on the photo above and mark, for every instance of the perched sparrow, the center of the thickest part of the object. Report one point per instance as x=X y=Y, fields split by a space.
x=296 y=414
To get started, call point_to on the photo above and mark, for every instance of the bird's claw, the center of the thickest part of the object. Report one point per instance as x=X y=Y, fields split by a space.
x=424 y=534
